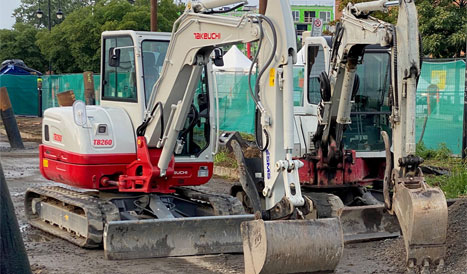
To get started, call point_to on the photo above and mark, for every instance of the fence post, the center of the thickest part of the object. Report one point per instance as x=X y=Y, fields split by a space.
x=464 y=131
x=9 y=120
x=39 y=90
x=89 y=94
x=13 y=256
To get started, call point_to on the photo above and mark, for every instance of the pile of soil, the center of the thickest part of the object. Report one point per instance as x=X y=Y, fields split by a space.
x=456 y=255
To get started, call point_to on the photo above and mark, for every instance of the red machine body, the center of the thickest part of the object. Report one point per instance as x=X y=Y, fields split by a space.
x=125 y=172
x=350 y=171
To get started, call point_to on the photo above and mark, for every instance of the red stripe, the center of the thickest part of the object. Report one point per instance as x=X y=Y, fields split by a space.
x=86 y=159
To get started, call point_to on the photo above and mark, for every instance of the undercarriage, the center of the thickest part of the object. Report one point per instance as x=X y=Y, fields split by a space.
x=193 y=221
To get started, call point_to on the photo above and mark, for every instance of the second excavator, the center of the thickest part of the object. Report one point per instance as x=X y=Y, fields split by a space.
x=420 y=209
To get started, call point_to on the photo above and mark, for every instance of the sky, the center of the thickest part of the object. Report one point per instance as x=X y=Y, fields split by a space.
x=6 y=20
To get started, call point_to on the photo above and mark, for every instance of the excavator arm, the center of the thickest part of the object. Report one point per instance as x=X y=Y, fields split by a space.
x=420 y=209
x=195 y=35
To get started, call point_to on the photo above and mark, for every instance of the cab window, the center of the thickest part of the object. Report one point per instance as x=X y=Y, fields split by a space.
x=119 y=78
x=153 y=59
x=316 y=51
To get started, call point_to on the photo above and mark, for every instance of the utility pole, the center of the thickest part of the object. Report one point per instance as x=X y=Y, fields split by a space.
x=50 y=28
x=153 y=15
x=262 y=6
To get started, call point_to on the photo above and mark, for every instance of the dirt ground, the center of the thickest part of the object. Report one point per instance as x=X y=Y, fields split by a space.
x=48 y=254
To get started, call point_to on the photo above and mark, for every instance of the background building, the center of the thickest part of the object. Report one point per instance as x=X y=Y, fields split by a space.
x=305 y=11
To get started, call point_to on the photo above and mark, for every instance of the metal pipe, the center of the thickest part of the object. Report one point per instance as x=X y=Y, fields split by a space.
x=288 y=113
x=212 y=4
x=366 y=7
x=391 y=4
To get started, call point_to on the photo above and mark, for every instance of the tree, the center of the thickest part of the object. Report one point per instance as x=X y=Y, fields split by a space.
x=26 y=12
x=443 y=26
x=19 y=43
x=74 y=45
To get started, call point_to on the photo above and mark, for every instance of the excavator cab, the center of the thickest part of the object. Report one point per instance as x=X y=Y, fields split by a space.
x=130 y=81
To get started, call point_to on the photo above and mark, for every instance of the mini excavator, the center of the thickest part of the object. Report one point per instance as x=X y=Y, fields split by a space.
x=130 y=165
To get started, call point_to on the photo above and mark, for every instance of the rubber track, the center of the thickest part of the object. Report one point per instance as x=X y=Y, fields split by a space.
x=97 y=211
x=222 y=204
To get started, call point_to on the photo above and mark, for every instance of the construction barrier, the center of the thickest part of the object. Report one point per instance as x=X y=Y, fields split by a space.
x=439 y=112
x=440 y=104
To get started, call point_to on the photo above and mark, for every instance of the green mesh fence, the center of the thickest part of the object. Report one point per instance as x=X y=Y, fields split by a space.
x=22 y=90
x=236 y=107
x=439 y=111
x=440 y=104
x=54 y=84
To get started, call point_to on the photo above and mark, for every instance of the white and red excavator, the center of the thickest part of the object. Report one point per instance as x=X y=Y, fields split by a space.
x=133 y=160
x=131 y=163
x=420 y=209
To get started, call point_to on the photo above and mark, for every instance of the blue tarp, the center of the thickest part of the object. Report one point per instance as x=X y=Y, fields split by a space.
x=16 y=67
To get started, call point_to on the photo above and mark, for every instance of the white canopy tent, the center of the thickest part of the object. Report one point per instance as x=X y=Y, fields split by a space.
x=234 y=61
x=301 y=57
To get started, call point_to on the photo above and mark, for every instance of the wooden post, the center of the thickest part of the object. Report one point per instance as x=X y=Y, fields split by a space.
x=66 y=98
x=13 y=256
x=89 y=95
x=9 y=120
x=153 y=15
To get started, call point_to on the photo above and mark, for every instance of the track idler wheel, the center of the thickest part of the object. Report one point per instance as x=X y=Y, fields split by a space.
x=292 y=246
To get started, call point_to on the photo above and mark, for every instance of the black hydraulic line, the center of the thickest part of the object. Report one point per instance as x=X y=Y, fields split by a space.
x=260 y=74
x=193 y=122
x=141 y=130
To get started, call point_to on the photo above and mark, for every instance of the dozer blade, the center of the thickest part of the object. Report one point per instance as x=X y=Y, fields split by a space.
x=292 y=246
x=370 y=222
x=423 y=217
x=173 y=237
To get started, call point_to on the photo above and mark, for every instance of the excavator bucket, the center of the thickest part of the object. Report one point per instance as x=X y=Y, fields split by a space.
x=370 y=222
x=292 y=246
x=173 y=237
x=423 y=216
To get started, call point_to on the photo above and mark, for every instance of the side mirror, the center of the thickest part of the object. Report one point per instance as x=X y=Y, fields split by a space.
x=114 y=57
x=218 y=59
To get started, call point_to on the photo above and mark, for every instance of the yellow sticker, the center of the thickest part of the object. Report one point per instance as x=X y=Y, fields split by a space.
x=45 y=163
x=438 y=77
x=272 y=77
